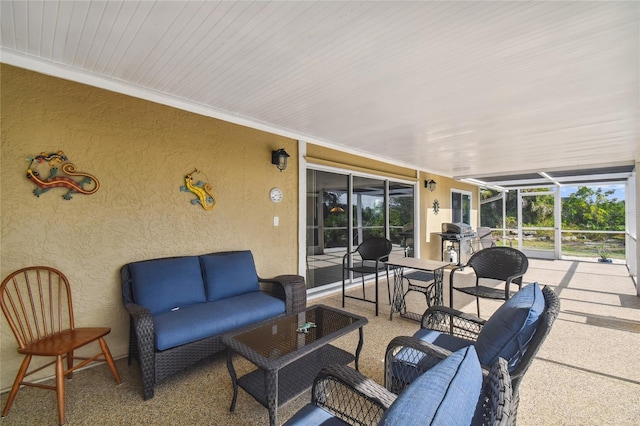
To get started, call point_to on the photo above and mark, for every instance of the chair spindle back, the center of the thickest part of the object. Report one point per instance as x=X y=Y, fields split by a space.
x=37 y=303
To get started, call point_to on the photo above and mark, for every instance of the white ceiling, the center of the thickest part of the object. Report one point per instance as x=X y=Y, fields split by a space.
x=463 y=89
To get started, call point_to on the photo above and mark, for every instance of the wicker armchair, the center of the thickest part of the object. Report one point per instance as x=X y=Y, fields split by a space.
x=408 y=357
x=504 y=264
x=342 y=395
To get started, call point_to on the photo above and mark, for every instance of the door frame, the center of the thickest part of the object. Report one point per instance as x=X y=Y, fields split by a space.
x=557 y=248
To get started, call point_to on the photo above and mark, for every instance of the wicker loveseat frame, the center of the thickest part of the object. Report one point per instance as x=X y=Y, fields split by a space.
x=157 y=365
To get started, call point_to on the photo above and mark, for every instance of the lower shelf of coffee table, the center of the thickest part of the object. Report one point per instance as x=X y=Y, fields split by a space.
x=295 y=378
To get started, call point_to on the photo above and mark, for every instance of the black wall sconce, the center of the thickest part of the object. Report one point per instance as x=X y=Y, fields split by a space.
x=430 y=184
x=279 y=158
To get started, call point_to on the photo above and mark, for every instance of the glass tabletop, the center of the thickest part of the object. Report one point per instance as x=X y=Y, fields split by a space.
x=292 y=333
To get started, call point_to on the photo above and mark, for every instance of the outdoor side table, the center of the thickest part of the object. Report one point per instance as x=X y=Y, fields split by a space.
x=433 y=290
x=289 y=352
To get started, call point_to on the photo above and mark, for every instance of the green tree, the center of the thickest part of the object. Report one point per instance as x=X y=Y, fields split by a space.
x=588 y=208
x=538 y=210
x=593 y=209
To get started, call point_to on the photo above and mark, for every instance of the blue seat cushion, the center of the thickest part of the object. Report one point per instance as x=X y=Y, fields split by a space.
x=195 y=322
x=443 y=340
x=229 y=274
x=508 y=331
x=311 y=414
x=409 y=363
x=447 y=394
x=163 y=284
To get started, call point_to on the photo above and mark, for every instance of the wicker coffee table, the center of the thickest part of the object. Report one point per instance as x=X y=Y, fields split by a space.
x=289 y=352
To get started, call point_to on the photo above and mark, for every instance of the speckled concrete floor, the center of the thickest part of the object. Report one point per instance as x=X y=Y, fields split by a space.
x=586 y=373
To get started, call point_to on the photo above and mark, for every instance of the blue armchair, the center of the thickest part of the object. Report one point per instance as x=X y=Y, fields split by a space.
x=514 y=332
x=452 y=392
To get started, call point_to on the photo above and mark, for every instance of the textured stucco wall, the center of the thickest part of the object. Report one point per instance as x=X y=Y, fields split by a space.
x=140 y=152
x=431 y=244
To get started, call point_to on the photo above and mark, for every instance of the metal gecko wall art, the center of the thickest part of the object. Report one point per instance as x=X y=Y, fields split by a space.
x=203 y=191
x=73 y=181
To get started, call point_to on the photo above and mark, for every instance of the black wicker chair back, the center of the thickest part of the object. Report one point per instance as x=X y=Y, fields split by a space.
x=373 y=249
x=496 y=401
x=373 y=253
x=551 y=311
x=496 y=263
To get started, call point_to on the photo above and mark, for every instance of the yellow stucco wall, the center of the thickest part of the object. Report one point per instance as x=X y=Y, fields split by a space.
x=432 y=222
x=140 y=152
x=328 y=156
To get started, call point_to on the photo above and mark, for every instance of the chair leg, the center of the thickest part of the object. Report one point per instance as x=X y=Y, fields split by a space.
x=60 y=388
x=388 y=288
x=343 y=285
x=478 y=305
x=376 y=293
x=70 y=365
x=16 y=384
x=109 y=359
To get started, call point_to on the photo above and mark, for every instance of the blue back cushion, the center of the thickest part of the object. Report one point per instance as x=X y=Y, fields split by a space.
x=163 y=284
x=447 y=394
x=508 y=331
x=229 y=274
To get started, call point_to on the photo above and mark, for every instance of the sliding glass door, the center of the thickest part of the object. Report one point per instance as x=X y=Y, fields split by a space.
x=345 y=209
x=369 y=209
x=327 y=226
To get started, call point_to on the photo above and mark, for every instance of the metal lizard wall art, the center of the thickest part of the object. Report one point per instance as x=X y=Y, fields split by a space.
x=60 y=181
x=204 y=191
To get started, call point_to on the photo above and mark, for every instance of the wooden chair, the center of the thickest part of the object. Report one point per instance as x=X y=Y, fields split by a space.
x=37 y=304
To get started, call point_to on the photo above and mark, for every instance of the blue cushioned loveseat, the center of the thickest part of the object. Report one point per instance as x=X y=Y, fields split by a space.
x=181 y=306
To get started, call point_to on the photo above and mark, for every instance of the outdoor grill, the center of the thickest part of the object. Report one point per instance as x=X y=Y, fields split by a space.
x=459 y=236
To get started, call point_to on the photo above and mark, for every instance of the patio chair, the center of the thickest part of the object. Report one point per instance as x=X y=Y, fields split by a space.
x=453 y=392
x=37 y=304
x=373 y=253
x=514 y=332
x=484 y=238
x=490 y=266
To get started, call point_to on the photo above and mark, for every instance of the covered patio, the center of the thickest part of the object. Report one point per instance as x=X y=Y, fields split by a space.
x=582 y=375
x=469 y=94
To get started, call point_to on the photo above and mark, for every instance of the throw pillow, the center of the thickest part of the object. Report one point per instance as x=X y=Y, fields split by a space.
x=508 y=331
x=229 y=274
x=164 y=284
x=447 y=394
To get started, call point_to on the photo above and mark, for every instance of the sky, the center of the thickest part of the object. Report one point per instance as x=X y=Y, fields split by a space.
x=565 y=191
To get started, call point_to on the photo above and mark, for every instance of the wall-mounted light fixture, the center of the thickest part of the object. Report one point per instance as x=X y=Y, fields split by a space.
x=430 y=184
x=279 y=158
